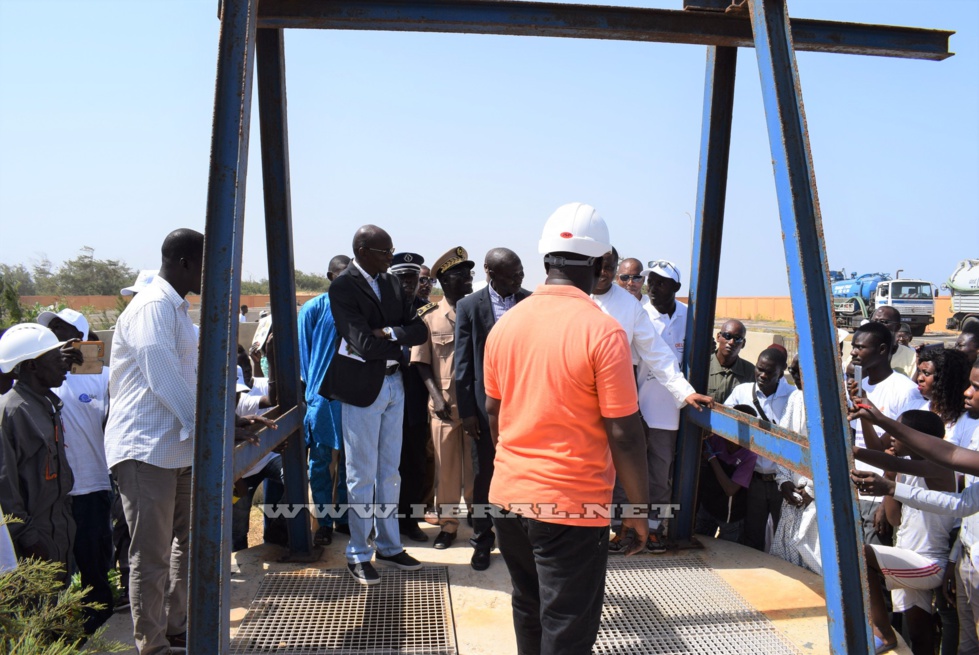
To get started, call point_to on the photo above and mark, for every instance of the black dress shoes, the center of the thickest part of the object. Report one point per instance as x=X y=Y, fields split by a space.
x=481 y=559
x=444 y=540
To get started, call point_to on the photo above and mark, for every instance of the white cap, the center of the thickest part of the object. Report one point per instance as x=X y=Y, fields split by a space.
x=576 y=228
x=67 y=315
x=24 y=342
x=143 y=280
x=663 y=268
x=240 y=385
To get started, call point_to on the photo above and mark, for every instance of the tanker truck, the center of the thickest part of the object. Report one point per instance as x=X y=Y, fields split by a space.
x=964 y=285
x=856 y=298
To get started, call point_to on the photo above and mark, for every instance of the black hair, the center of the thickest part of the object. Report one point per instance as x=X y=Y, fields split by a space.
x=882 y=334
x=776 y=355
x=338 y=264
x=951 y=380
x=746 y=409
x=183 y=244
x=923 y=421
x=972 y=329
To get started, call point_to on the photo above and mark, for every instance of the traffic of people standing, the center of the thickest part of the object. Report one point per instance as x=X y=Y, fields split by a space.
x=490 y=411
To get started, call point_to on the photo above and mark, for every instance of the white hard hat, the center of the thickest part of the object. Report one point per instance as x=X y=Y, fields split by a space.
x=25 y=342
x=577 y=228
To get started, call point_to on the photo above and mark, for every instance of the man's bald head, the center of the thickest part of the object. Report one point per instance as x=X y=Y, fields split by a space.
x=499 y=257
x=734 y=326
x=367 y=236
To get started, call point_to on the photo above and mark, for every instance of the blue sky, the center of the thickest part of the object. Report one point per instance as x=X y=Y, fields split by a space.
x=445 y=140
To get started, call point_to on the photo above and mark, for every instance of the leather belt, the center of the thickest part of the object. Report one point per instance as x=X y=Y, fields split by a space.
x=392 y=369
x=764 y=477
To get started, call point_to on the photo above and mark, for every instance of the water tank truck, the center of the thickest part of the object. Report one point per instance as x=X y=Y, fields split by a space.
x=964 y=286
x=856 y=298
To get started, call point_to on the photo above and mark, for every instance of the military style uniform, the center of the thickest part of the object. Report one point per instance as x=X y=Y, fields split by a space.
x=453 y=450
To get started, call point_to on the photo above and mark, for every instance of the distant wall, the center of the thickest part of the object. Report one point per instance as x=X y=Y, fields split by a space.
x=754 y=308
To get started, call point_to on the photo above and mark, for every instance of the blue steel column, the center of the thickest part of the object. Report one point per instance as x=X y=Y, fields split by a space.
x=802 y=231
x=282 y=282
x=715 y=146
x=210 y=554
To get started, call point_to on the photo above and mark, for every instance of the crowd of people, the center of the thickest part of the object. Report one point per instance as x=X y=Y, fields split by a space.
x=540 y=418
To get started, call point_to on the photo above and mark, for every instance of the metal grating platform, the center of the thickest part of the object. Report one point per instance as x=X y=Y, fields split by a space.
x=319 y=612
x=678 y=605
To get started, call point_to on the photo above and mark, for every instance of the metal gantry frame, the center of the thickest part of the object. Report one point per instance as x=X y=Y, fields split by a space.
x=252 y=26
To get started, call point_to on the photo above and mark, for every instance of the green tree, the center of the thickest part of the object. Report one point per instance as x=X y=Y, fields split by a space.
x=19 y=278
x=311 y=282
x=86 y=276
x=44 y=279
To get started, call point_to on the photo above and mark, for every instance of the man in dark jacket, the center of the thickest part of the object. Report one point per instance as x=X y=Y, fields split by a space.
x=35 y=477
x=374 y=320
x=475 y=316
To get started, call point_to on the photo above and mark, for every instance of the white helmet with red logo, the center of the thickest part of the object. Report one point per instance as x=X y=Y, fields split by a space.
x=576 y=228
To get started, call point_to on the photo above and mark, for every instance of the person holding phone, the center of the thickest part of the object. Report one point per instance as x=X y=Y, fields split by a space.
x=893 y=393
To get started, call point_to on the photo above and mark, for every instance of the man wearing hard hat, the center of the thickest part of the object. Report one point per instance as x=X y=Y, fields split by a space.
x=35 y=477
x=561 y=399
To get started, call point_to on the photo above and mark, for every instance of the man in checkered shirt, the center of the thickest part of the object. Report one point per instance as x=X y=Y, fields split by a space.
x=149 y=440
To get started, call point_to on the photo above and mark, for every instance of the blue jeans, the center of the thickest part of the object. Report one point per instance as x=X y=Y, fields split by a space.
x=271 y=475
x=322 y=426
x=372 y=440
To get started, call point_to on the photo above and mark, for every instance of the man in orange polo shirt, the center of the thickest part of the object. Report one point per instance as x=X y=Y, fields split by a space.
x=562 y=405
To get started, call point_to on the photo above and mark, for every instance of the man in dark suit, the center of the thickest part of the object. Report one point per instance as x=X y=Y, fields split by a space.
x=475 y=316
x=374 y=320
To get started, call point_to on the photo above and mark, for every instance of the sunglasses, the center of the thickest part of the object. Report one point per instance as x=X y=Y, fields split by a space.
x=426 y=280
x=731 y=337
x=630 y=278
x=389 y=251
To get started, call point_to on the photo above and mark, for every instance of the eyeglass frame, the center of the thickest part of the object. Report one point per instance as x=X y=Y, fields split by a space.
x=625 y=277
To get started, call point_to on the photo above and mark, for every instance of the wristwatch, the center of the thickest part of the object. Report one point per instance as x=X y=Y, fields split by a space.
x=389 y=333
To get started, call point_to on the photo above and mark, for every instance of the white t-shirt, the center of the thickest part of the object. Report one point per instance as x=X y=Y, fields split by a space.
x=86 y=406
x=248 y=405
x=774 y=406
x=893 y=396
x=658 y=405
x=963 y=432
x=923 y=532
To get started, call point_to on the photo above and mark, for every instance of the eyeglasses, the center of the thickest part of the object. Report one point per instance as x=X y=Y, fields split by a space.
x=388 y=251
x=426 y=280
x=630 y=278
x=886 y=321
x=731 y=337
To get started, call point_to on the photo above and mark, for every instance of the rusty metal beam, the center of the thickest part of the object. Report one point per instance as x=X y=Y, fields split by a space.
x=777 y=444
x=505 y=17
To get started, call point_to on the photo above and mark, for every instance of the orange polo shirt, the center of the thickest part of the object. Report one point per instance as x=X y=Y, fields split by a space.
x=559 y=365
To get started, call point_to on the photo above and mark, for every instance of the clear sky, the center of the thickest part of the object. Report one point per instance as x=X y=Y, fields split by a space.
x=445 y=140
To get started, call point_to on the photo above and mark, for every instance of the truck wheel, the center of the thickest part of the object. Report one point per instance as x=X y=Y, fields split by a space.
x=918 y=330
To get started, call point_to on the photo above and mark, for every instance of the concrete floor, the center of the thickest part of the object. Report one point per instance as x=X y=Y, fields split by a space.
x=791 y=597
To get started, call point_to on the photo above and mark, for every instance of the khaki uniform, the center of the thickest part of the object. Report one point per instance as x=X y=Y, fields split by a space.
x=453 y=450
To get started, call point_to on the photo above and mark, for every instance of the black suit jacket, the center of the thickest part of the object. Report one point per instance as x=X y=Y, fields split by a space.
x=357 y=311
x=474 y=320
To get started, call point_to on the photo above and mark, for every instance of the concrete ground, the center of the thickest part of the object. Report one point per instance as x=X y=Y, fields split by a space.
x=791 y=597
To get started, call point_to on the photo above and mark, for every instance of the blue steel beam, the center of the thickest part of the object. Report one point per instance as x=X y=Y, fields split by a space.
x=248 y=454
x=210 y=545
x=282 y=285
x=777 y=444
x=715 y=147
x=802 y=234
x=595 y=22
